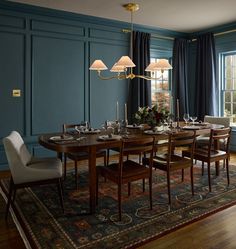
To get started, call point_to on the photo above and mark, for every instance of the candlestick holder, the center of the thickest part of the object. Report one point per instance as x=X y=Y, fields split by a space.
x=177 y=120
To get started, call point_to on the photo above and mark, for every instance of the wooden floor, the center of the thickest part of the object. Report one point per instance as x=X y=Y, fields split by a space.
x=217 y=231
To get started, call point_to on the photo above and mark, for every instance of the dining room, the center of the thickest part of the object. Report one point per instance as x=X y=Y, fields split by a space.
x=89 y=77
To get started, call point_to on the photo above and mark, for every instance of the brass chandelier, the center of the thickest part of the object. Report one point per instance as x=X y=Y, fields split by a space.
x=124 y=66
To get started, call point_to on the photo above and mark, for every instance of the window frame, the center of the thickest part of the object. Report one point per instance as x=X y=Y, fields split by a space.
x=169 y=90
x=222 y=77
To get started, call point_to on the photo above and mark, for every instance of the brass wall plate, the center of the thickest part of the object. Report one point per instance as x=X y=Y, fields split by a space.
x=16 y=93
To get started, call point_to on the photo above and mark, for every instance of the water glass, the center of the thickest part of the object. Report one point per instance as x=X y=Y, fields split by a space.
x=186 y=118
x=193 y=118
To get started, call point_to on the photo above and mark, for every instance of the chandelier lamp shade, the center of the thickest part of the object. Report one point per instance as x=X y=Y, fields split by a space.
x=124 y=66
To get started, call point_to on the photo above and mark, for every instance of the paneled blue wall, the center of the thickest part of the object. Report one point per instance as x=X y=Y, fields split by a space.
x=46 y=54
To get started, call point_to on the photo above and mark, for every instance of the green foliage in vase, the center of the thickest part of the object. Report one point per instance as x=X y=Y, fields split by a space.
x=152 y=116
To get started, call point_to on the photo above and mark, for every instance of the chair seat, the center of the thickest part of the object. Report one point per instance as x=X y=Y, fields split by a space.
x=202 y=154
x=42 y=170
x=204 y=140
x=130 y=168
x=176 y=162
x=84 y=155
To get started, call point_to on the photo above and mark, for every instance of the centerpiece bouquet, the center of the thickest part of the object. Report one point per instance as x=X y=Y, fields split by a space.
x=153 y=116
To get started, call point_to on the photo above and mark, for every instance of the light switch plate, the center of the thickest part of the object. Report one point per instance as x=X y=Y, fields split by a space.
x=16 y=93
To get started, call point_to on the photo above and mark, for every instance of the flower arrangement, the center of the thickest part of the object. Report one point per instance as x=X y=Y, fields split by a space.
x=153 y=116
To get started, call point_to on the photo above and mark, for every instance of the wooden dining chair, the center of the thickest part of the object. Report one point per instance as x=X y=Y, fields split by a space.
x=78 y=156
x=172 y=160
x=28 y=171
x=203 y=140
x=215 y=151
x=126 y=170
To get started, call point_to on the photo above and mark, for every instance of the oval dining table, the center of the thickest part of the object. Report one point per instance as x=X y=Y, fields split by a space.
x=91 y=143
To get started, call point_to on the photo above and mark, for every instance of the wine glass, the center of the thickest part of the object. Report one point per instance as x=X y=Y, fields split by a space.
x=186 y=118
x=193 y=118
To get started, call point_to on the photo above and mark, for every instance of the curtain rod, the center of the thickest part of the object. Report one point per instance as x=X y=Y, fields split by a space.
x=171 y=38
x=152 y=35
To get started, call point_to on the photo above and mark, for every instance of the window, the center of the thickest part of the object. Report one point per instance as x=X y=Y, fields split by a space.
x=161 y=90
x=229 y=86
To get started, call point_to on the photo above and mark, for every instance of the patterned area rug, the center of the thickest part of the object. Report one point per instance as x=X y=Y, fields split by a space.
x=39 y=212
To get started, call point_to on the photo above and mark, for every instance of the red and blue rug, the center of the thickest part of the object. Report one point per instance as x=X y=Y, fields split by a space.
x=39 y=213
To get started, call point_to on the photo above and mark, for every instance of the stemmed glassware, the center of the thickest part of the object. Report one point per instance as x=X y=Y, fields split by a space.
x=186 y=118
x=193 y=118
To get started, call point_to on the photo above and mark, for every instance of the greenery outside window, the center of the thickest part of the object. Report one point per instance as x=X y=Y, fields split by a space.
x=161 y=89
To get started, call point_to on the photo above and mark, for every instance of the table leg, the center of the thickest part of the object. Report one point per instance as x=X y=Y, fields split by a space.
x=92 y=178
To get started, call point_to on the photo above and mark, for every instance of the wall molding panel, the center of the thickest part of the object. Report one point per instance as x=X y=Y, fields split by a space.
x=46 y=54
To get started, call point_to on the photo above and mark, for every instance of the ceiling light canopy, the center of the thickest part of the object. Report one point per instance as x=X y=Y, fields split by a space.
x=123 y=67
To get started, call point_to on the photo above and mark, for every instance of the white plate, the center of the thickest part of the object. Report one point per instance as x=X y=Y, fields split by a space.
x=59 y=138
x=134 y=127
x=153 y=132
x=107 y=138
x=91 y=132
x=192 y=127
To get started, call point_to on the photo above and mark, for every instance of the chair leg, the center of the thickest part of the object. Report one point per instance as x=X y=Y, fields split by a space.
x=119 y=200
x=59 y=187
x=143 y=184
x=209 y=176
x=202 y=168
x=182 y=175
x=108 y=154
x=140 y=158
x=191 y=173
x=14 y=195
x=11 y=187
x=105 y=160
x=76 y=175
x=168 y=186
x=97 y=176
x=227 y=169
x=150 y=192
x=129 y=187
x=65 y=161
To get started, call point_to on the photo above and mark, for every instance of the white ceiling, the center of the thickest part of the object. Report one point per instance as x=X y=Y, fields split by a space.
x=177 y=15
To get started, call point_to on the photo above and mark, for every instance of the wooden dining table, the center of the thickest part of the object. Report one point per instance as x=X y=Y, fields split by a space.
x=91 y=143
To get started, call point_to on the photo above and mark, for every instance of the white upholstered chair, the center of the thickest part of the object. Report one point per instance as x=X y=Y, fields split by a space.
x=27 y=170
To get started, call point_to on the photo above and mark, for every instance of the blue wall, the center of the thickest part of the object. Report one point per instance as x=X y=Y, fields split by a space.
x=46 y=54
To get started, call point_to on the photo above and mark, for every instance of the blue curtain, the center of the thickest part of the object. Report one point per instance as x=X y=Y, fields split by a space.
x=139 y=89
x=179 y=75
x=206 y=85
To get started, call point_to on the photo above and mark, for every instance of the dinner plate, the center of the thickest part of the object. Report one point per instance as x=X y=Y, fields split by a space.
x=134 y=126
x=60 y=138
x=153 y=132
x=108 y=138
x=95 y=131
x=192 y=127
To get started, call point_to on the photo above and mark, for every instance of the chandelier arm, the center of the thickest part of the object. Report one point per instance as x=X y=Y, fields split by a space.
x=118 y=76
x=147 y=77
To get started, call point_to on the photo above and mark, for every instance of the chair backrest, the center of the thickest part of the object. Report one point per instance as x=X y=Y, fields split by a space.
x=136 y=146
x=17 y=153
x=183 y=140
x=217 y=120
x=66 y=127
x=219 y=137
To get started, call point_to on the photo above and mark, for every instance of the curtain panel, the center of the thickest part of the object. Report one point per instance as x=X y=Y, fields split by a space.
x=180 y=75
x=206 y=84
x=139 y=89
